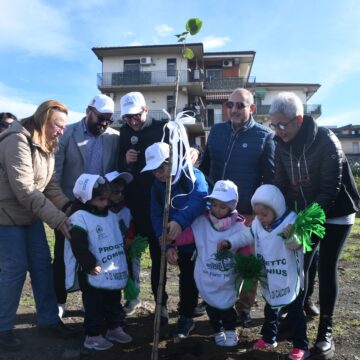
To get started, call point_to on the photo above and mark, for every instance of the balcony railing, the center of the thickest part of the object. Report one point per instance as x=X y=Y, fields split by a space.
x=145 y=78
x=229 y=83
x=309 y=109
x=154 y=114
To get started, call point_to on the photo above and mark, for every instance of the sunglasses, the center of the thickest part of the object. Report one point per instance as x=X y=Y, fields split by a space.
x=4 y=124
x=281 y=127
x=101 y=119
x=239 y=105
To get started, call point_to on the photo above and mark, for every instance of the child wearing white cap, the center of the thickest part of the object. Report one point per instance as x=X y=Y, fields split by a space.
x=95 y=261
x=215 y=278
x=186 y=205
x=118 y=182
x=283 y=268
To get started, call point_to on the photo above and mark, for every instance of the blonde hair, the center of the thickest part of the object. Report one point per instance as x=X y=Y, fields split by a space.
x=36 y=123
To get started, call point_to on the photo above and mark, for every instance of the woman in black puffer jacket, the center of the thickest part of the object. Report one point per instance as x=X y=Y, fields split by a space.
x=310 y=166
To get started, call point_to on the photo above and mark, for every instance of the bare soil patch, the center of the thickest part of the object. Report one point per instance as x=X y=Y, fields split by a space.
x=200 y=344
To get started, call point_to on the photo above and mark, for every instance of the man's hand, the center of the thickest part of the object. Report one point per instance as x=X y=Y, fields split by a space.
x=172 y=256
x=131 y=156
x=96 y=270
x=174 y=230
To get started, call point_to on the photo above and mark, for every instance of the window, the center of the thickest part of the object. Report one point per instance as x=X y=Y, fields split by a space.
x=355 y=147
x=170 y=104
x=171 y=67
x=132 y=65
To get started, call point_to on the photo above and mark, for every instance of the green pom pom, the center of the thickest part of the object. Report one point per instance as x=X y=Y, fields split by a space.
x=131 y=292
x=248 y=269
x=138 y=247
x=309 y=221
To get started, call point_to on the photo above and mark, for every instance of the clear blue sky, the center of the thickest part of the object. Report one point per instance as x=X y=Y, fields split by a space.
x=45 y=46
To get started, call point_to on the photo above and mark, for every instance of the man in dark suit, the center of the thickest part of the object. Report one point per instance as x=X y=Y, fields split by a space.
x=88 y=146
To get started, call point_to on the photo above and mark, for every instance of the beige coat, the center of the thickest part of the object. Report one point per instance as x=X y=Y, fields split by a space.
x=28 y=189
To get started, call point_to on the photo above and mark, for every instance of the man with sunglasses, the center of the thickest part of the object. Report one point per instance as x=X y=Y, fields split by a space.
x=240 y=150
x=6 y=119
x=88 y=146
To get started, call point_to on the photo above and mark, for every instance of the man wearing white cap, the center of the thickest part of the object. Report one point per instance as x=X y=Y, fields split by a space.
x=88 y=146
x=138 y=133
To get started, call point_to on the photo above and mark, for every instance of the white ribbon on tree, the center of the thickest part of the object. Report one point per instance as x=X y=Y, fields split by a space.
x=179 y=142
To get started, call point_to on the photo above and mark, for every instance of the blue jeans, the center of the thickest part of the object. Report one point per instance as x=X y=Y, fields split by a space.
x=22 y=249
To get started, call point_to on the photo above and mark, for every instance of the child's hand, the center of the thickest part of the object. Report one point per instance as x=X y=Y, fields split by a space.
x=172 y=256
x=174 y=230
x=288 y=232
x=96 y=270
x=224 y=244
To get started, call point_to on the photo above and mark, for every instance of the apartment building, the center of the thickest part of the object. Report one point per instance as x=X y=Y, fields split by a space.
x=205 y=82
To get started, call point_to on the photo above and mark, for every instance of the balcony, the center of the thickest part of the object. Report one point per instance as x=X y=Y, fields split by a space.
x=312 y=110
x=229 y=83
x=129 y=79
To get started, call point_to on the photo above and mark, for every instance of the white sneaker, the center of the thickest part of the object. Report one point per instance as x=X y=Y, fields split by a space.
x=231 y=338
x=220 y=338
x=97 y=343
x=131 y=305
x=61 y=310
x=118 y=335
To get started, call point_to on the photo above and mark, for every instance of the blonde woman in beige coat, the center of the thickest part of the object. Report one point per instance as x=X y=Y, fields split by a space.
x=29 y=196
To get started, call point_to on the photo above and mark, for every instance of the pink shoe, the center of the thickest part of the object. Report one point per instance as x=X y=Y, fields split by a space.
x=298 y=354
x=262 y=345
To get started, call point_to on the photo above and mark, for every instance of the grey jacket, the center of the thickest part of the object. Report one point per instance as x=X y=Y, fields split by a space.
x=71 y=155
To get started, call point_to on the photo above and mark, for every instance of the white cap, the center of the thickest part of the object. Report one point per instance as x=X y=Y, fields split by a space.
x=132 y=103
x=155 y=155
x=103 y=104
x=270 y=196
x=84 y=186
x=111 y=176
x=225 y=191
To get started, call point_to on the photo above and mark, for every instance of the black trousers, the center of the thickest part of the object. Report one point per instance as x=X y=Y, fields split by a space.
x=59 y=268
x=188 y=292
x=103 y=309
x=329 y=253
x=221 y=318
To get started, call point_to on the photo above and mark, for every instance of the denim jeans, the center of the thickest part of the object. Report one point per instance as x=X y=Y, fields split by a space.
x=22 y=249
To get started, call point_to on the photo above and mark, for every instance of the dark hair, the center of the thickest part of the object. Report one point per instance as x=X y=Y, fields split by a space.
x=102 y=189
x=7 y=115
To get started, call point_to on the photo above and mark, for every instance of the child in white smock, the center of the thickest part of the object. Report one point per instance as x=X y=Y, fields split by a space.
x=215 y=278
x=95 y=259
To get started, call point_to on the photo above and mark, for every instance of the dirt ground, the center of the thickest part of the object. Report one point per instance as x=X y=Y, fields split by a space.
x=200 y=344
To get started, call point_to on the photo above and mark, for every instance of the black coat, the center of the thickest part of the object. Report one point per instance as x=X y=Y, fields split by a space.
x=313 y=167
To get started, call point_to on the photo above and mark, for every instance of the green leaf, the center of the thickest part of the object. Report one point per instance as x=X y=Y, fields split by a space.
x=181 y=39
x=193 y=26
x=188 y=54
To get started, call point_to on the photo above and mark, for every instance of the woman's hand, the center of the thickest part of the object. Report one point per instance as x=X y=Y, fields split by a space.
x=224 y=244
x=64 y=228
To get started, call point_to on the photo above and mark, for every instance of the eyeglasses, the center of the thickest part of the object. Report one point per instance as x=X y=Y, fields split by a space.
x=281 y=127
x=101 y=119
x=129 y=117
x=5 y=124
x=239 y=105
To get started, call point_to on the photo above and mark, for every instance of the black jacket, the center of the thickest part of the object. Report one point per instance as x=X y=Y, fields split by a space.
x=313 y=167
x=138 y=192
